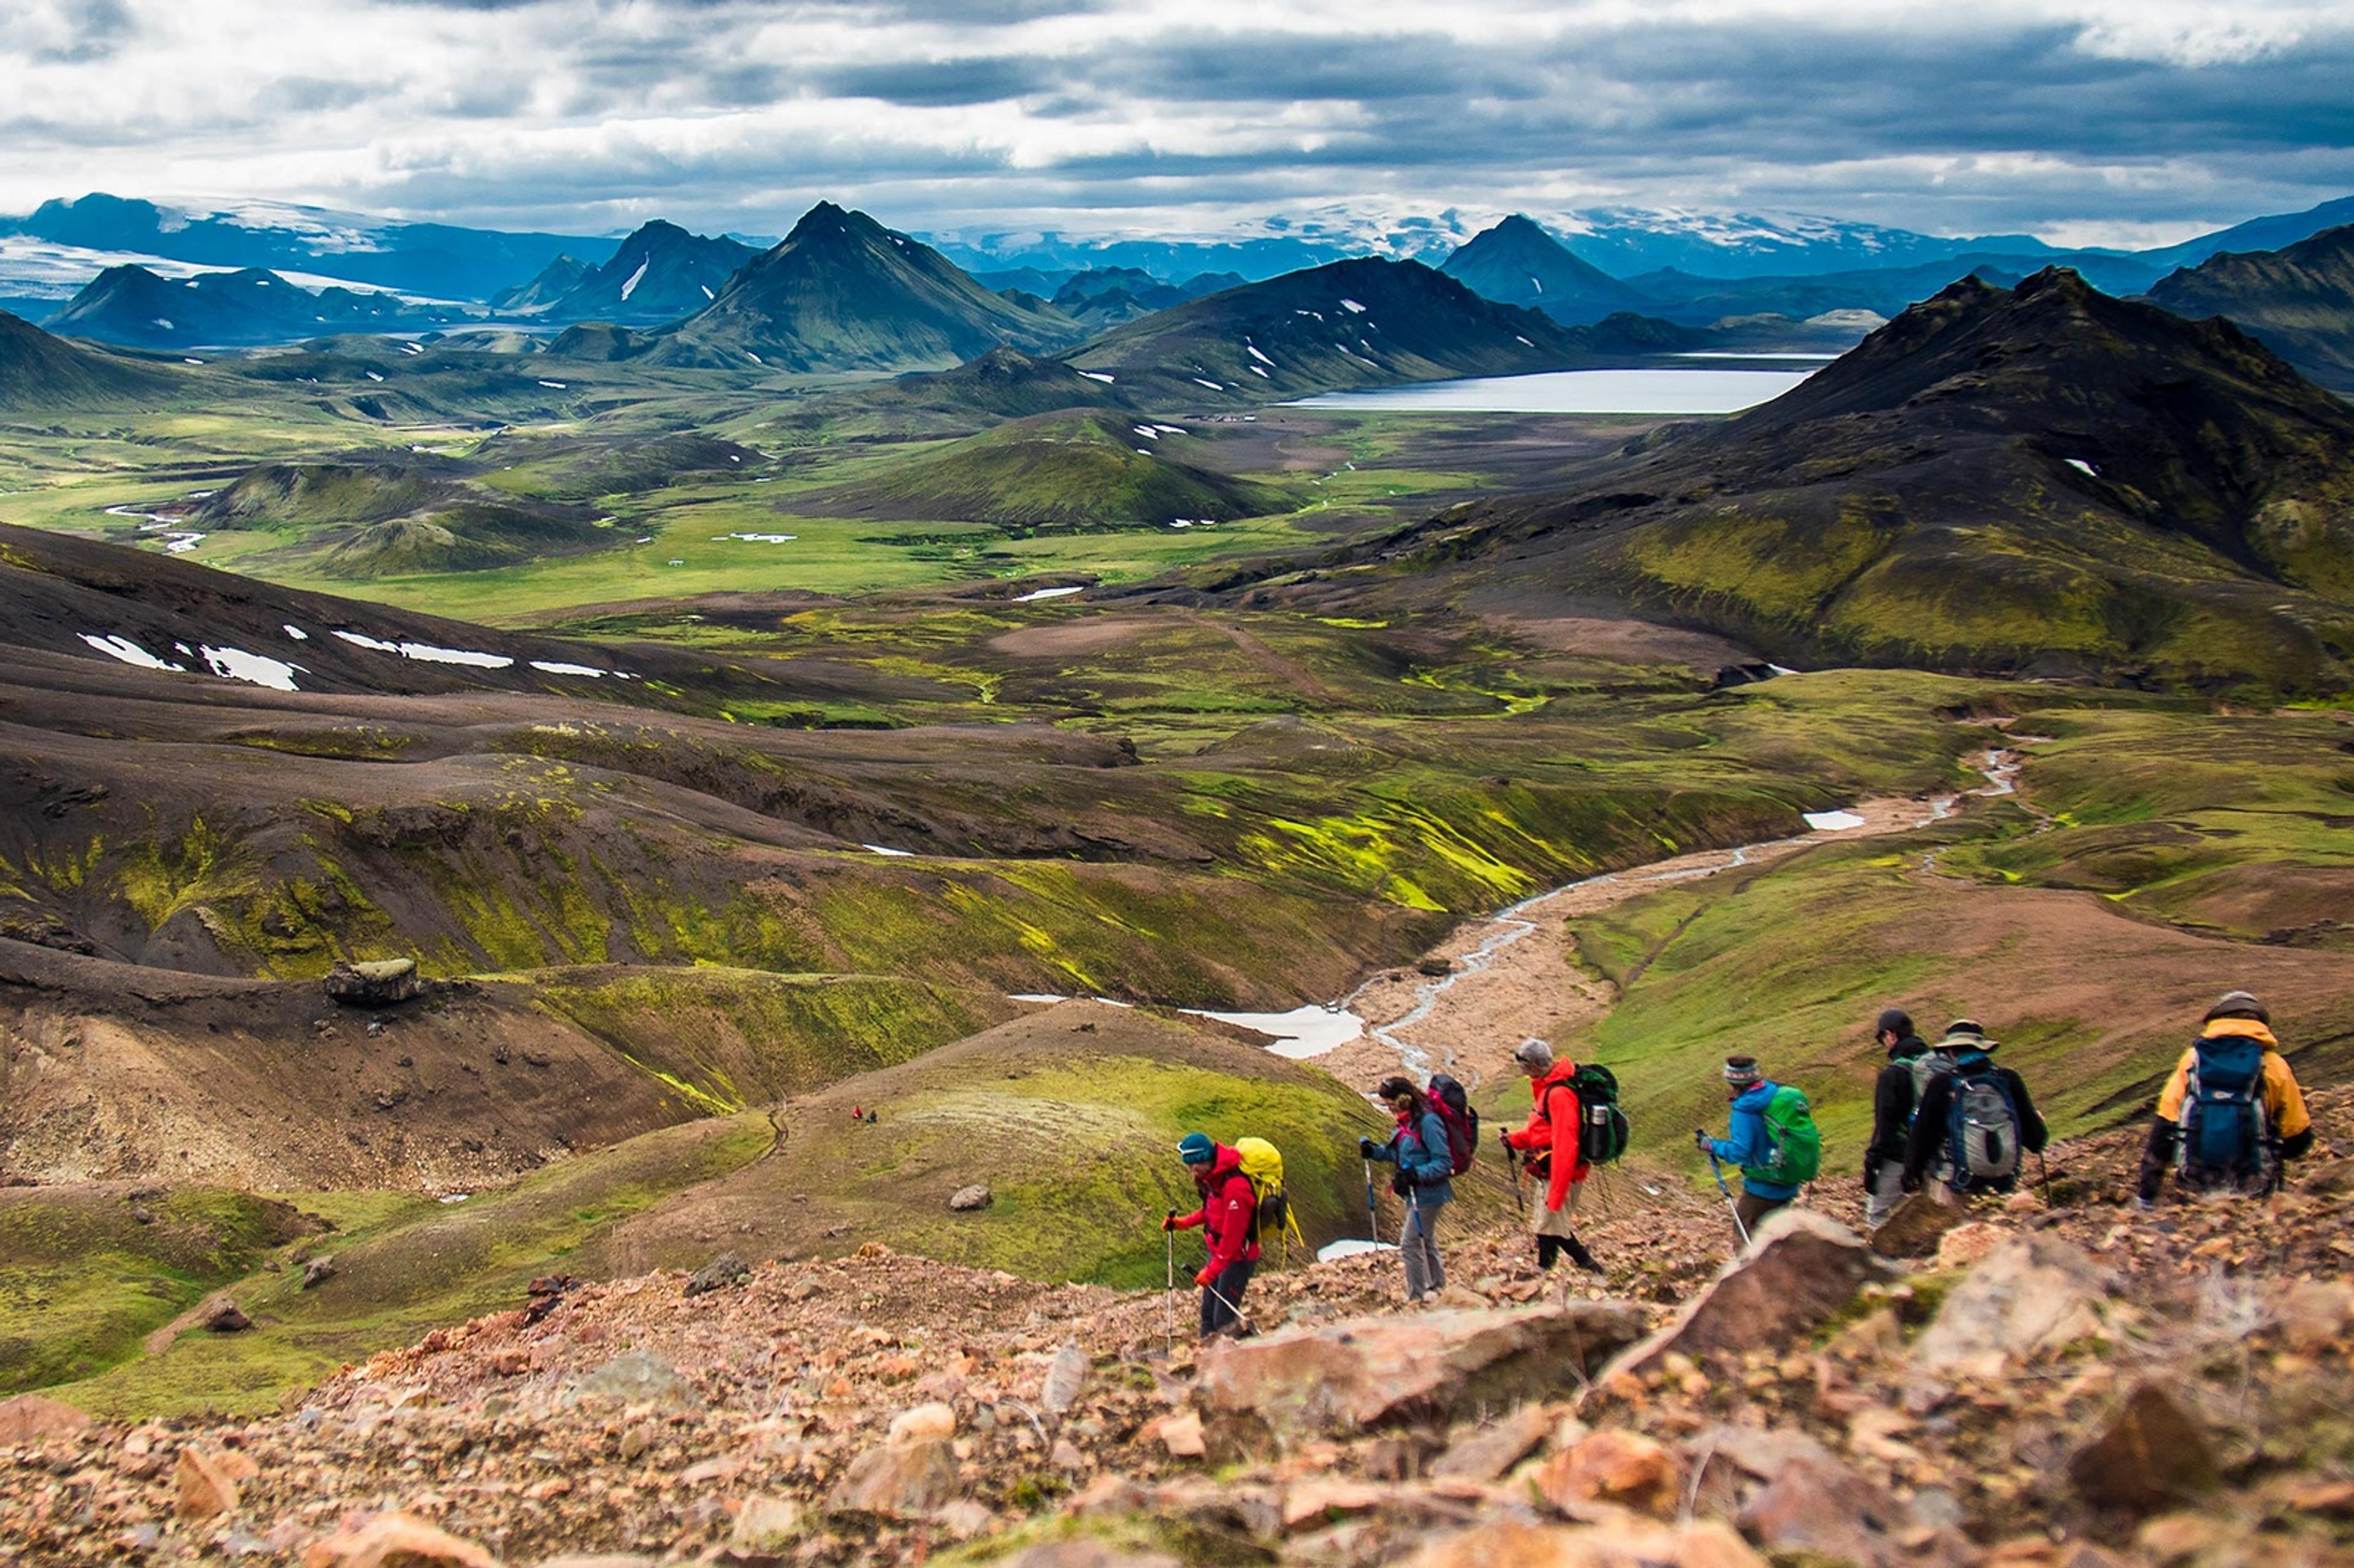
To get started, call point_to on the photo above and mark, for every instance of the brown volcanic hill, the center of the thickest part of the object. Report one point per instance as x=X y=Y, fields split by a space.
x=40 y=370
x=2038 y=479
x=63 y=595
x=2299 y=299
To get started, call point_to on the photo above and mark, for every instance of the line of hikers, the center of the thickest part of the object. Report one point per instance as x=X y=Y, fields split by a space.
x=1947 y=1121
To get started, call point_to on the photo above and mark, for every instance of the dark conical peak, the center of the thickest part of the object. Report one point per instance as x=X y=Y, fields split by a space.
x=657 y=228
x=825 y=218
x=1520 y=226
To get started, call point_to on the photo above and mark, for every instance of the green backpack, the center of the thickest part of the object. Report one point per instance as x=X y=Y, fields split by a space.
x=1798 y=1146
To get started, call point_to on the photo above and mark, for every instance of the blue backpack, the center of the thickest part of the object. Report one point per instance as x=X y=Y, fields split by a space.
x=2223 y=1135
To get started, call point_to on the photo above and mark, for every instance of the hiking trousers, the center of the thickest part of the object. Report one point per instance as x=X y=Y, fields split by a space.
x=1887 y=1191
x=1753 y=1209
x=1219 y=1316
x=1425 y=1275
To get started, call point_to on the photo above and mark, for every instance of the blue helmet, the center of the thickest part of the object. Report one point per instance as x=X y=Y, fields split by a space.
x=1195 y=1149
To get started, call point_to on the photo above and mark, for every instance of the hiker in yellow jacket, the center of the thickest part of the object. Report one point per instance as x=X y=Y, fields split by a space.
x=2231 y=1113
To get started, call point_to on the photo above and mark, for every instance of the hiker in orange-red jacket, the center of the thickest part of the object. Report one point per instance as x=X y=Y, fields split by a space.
x=1229 y=1214
x=1549 y=1143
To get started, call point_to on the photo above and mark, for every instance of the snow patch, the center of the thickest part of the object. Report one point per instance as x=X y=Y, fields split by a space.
x=636 y=278
x=1211 y=385
x=2081 y=466
x=294 y=631
x=1255 y=353
x=426 y=653
x=707 y=291
x=1353 y=308
x=558 y=667
x=1833 y=822
x=887 y=849
x=1148 y=432
x=130 y=653
x=237 y=664
x=1332 y=1251
x=1097 y=375
x=375 y=375
x=558 y=385
x=757 y=538
x=1035 y=595
x=1313 y=1030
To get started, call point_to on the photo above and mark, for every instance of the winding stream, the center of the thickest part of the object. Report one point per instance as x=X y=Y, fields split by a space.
x=1316 y=1031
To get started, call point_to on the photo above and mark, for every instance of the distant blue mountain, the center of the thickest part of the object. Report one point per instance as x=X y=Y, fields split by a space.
x=2257 y=234
x=437 y=260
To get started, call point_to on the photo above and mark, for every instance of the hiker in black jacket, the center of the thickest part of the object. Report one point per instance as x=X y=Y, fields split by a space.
x=1891 y=1116
x=1962 y=1059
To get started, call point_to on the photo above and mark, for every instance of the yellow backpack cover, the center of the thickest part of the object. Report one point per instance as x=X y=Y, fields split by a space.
x=1263 y=1163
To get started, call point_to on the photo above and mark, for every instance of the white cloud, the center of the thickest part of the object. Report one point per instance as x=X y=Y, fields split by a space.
x=591 y=115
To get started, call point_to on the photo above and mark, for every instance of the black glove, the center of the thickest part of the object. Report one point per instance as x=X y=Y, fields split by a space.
x=1700 y=1140
x=1504 y=1137
x=1365 y=1148
x=1401 y=1183
x=1171 y=1223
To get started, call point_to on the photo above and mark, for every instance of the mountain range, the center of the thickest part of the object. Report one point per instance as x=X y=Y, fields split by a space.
x=442 y=260
x=134 y=306
x=660 y=273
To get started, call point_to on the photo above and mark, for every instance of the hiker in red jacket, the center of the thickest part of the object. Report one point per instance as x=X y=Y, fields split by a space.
x=1550 y=1142
x=1229 y=1212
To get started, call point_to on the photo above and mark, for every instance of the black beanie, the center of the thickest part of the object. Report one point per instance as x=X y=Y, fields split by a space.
x=1896 y=1022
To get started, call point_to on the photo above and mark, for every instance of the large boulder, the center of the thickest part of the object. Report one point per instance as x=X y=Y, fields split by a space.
x=899 y=1480
x=1634 y=1544
x=1297 y=1383
x=2034 y=1292
x=1801 y=1268
x=2153 y=1455
x=396 y=1540
x=1819 y=1509
x=30 y=1418
x=381 y=982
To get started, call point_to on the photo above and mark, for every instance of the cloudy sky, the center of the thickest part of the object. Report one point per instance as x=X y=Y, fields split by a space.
x=2134 y=122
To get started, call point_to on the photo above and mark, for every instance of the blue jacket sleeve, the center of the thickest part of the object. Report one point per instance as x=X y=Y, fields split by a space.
x=1745 y=1139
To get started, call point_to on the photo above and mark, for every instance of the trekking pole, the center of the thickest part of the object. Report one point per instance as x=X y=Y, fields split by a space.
x=1240 y=1322
x=1169 y=1296
x=1372 y=1216
x=1729 y=1204
x=2043 y=1169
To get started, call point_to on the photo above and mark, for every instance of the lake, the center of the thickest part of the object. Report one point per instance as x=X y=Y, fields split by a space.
x=1671 y=391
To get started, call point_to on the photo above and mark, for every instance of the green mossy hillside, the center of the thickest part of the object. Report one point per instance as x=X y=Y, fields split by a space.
x=86 y=1271
x=410 y=1267
x=1072 y=469
x=1070 y=1116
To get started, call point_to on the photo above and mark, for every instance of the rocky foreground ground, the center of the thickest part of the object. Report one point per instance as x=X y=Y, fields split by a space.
x=2068 y=1386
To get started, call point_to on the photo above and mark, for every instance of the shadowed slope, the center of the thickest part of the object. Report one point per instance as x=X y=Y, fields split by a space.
x=39 y=370
x=2299 y=299
x=2043 y=479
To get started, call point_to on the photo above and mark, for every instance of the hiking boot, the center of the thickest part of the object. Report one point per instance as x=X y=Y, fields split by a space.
x=1582 y=1259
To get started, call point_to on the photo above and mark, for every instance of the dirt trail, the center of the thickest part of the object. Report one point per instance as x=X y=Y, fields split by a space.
x=1512 y=974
